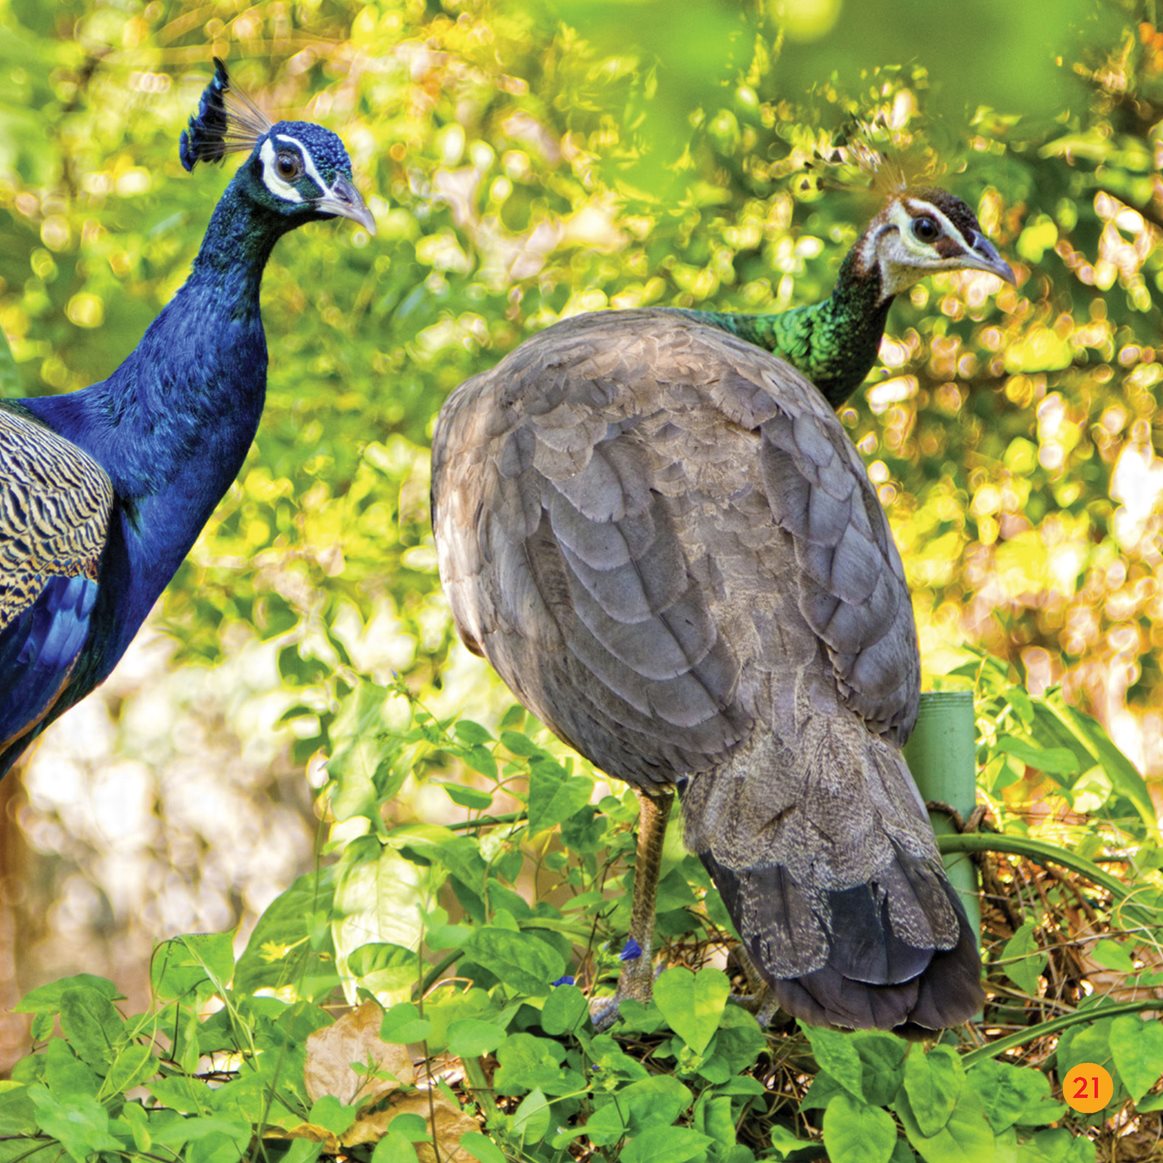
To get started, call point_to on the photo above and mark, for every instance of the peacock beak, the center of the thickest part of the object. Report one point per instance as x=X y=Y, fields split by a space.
x=983 y=256
x=343 y=200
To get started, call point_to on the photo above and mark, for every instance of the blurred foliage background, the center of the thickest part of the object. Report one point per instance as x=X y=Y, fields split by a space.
x=526 y=160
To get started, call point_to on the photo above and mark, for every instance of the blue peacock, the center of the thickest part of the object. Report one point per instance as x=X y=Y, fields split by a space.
x=104 y=490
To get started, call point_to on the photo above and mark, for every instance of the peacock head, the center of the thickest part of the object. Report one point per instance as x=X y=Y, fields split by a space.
x=919 y=232
x=297 y=170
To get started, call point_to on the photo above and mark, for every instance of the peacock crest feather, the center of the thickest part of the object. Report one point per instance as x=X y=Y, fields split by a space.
x=227 y=121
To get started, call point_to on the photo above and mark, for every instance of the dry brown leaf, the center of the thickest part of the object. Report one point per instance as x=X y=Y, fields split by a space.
x=350 y=1061
x=450 y=1123
x=312 y=1131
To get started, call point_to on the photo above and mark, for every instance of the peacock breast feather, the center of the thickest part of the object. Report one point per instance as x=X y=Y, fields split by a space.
x=55 y=505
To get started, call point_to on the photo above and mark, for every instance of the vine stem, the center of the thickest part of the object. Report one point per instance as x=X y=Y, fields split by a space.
x=487 y=822
x=1044 y=853
x=1029 y=1033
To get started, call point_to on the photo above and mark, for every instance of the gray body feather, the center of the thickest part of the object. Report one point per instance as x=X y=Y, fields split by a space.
x=664 y=542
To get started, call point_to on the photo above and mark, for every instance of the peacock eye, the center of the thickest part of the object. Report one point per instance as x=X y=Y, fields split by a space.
x=288 y=164
x=926 y=229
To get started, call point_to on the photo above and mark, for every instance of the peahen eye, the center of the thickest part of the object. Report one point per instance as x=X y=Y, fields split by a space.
x=288 y=164
x=926 y=229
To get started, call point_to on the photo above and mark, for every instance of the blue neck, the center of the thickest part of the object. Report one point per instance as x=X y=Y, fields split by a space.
x=172 y=425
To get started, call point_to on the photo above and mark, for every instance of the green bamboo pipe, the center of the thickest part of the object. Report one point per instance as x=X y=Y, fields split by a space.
x=942 y=755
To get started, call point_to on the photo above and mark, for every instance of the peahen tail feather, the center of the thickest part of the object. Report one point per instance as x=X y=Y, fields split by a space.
x=825 y=859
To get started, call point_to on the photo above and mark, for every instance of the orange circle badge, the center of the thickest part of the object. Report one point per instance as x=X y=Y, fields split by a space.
x=1087 y=1087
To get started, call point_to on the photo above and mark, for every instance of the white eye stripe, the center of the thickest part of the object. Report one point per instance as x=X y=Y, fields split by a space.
x=270 y=175
x=932 y=211
x=308 y=162
x=270 y=172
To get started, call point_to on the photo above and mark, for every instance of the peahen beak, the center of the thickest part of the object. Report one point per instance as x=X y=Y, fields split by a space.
x=343 y=200
x=983 y=256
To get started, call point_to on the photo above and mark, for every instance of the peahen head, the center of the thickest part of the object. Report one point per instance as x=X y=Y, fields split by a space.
x=297 y=171
x=920 y=232
x=834 y=342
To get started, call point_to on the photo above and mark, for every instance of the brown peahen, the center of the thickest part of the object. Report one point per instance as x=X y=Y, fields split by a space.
x=655 y=528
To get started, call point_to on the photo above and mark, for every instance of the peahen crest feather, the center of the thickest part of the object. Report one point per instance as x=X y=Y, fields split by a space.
x=227 y=121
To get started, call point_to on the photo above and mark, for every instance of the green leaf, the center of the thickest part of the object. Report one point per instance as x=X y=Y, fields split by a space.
x=403 y=1023
x=201 y=963
x=288 y=945
x=382 y=967
x=131 y=1066
x=1137 y=1048
x=481 y=1148
x=77 y=1121
x=966 y=1136
x=1022 y=960
x=335 y=1116
x=379 y=891
x=361 y=763
x=472 y=733
x=714 y=1118
x=611 y=1060
x=903 y=1153
x=555 y=794
x=785 y=1143
x=531 y=1118
x=1122 y=773
x=471 y=1037
x=17 y=1112
x=304 y=1151
x=734 y=1048
x=468 y=797
x=653 y=1102
x=822 y=1090
x=480 y=759
x=63 y=1072
x=855 y=1132
x=1057 y=1146
x=933 y=1083
x=182 y=1094
x=46 y=999
x=1089 y=1042
x=92 y=1025
x=414 y=1128
x=208 y=1138
x=1014 y=1095
x=605 y=1127
x=1111 y=955
x=394 y=1148
x=837 y=1055
x=882 y=1058
x=461 y=855
x=522 y=961
x=528 y=1063
x=1051 y=760
x=692 y=1003
x=520 y=744
x=666 y=1145
x=565 y=1010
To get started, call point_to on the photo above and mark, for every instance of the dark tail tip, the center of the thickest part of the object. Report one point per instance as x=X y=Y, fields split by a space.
x=836 y=958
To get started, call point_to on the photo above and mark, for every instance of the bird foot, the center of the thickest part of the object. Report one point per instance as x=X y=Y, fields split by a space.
x=763 y=1004
x=604 y=1012
x=636 y=983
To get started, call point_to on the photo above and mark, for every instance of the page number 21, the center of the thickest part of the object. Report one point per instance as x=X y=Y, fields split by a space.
x=1087 y=1087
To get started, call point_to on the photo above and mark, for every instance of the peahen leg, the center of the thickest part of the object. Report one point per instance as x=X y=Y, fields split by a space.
x=637 y=977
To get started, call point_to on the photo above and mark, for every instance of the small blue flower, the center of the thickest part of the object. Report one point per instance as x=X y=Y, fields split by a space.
x=565 y=979
x=631 y=952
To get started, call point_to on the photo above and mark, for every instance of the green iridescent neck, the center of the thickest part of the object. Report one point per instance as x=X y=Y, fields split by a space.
x=834 y=342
